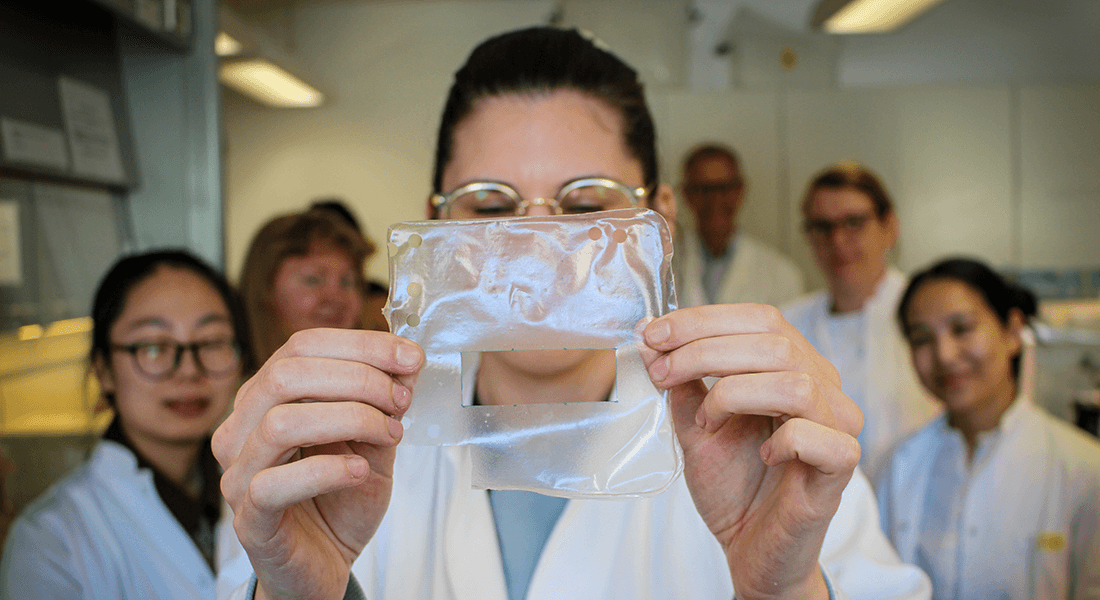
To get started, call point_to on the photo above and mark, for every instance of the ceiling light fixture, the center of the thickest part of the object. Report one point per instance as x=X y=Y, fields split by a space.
x=867 y=16
x=270 y=84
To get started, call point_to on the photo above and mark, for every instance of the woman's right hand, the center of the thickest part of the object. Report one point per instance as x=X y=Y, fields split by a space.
x=308 y=454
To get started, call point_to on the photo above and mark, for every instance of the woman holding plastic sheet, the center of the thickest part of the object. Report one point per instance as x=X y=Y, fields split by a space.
x=143 y=518
x=768 y=451
x=995 y=499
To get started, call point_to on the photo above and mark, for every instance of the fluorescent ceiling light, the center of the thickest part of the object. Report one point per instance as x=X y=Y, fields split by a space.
x=227 y=45
x=867 y=16
x=269 y=84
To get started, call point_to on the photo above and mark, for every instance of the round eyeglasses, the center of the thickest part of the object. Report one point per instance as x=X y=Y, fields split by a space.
x=487 y=199
x=160 y=360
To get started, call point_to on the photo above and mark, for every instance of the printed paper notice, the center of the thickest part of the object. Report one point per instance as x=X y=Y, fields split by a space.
x=11 y=260
x=90 y=123
x=32 y=144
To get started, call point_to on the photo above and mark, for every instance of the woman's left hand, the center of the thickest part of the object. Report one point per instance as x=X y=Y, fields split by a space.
x=768 y=449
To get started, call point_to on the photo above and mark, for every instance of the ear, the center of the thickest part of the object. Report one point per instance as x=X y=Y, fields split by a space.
x=663 y=200
x=1014 y=327
x=104 y=374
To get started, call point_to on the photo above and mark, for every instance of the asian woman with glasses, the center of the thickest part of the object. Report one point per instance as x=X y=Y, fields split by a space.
x=143 y=517
x=539 y=122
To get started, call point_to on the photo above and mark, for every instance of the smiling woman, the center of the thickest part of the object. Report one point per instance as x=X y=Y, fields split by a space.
x=142 y=518
x=303 y=271
x=997 y=499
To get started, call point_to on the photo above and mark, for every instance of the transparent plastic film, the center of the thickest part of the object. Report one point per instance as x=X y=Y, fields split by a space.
x=578 y=282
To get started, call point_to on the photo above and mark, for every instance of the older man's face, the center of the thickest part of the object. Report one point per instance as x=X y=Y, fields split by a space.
x=713 y=188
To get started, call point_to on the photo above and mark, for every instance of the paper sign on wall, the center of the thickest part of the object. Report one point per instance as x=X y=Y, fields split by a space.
x=11 y=259
x=90 y=124
x=33 y=144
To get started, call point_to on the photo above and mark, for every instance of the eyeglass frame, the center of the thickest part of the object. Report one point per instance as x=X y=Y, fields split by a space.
x=193 y=347
x=823 y=229
x=439 y=201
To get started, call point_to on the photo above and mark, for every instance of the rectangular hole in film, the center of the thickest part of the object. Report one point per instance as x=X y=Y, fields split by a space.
x=533 y=376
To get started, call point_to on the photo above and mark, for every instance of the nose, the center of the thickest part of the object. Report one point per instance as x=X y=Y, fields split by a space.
x=837 y=235
x=333 y=290
x=946 y=349
x=539 y=210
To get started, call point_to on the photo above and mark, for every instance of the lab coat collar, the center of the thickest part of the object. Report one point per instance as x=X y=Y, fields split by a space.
x=117 y=471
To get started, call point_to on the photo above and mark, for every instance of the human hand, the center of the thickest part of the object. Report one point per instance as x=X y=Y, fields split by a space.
x=768 y=449
x=308 y=454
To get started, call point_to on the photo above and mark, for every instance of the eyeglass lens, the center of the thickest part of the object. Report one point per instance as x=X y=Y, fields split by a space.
x=162 y=359
x=499 y=203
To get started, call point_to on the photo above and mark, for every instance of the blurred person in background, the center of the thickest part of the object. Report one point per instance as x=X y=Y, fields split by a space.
x=717 y=264
x=996 y=498
x=375 y=294
x=303 y=270
x=143 y=517
x=851 y=226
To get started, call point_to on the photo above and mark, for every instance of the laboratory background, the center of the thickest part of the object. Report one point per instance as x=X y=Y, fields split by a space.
x=128 y=125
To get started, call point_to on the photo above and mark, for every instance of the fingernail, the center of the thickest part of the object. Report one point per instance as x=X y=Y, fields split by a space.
x=701 y=418
x=356 y=466
x=406 y=355
x=396 y=430
x=659 y=369
x=401 y=396
x=658 y=331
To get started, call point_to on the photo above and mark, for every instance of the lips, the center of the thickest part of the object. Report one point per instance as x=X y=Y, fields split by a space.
x=188 y=408
x=337 y=320
x=953 y=381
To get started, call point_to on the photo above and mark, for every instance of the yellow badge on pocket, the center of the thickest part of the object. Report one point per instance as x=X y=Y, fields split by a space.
x=1050 y=541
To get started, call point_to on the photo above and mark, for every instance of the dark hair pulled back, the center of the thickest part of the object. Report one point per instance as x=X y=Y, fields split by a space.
x=541 y=60
x=115 y=287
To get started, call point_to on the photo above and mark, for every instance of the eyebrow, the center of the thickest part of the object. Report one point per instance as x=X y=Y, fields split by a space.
x=154 y=321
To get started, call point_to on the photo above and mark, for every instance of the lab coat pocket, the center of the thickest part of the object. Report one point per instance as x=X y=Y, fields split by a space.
x=1049 y=565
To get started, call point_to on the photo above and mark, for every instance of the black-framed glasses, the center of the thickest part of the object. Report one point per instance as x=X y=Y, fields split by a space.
x=484 y=199
x=822 y=229
x=159 y=360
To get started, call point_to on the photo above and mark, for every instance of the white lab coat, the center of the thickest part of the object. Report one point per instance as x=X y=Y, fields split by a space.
x=895 y=404
x=1030 y=520
x=103 y=532
x=438 y=541
x=757 y=274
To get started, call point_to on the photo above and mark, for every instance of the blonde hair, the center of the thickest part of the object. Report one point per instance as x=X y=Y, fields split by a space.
x=282 y=237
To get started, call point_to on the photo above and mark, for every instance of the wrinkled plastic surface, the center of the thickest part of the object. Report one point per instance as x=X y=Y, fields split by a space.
x=531 y=283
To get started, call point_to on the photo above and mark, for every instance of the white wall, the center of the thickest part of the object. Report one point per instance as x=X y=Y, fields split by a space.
x=1006 y=171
